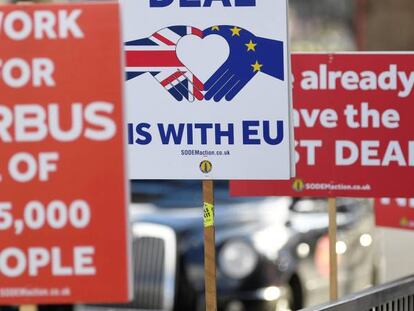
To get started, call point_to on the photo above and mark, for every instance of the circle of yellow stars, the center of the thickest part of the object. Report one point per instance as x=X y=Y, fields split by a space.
x=251 y=46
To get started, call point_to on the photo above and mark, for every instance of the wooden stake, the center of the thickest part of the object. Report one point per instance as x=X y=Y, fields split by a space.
x=209 y=247
x=28 y=308
x=333 y=261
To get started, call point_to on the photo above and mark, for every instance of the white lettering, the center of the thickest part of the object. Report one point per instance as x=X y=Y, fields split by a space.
x=93 y=116
x=15 y=262
x=41 y=24
x=388 y=80
x=353 y=153
x=83 y=259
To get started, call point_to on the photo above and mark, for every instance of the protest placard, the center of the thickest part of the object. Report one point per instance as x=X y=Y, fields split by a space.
x=353 y=127
x=63 y=193
x=207 y=89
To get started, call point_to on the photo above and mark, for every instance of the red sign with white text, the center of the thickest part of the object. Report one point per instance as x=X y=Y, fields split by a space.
x=63 y=193
x=354 y=129
x=395 y=213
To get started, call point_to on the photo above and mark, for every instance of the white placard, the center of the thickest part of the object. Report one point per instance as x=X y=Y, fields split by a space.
x=207 y=89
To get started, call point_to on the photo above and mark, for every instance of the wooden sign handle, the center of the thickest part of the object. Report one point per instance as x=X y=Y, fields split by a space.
x=333 y=258
x=28 y=308
x=209 y=247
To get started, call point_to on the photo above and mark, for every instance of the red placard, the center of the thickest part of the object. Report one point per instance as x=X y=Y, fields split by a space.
x=354 y=130
x=395 y=213
x=63 y=218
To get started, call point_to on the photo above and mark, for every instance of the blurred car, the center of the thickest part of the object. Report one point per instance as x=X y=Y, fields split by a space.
x=272 y=253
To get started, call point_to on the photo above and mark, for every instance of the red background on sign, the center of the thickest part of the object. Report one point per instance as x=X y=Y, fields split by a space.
x=383 y=181
x=395 y=213
x=85 y=70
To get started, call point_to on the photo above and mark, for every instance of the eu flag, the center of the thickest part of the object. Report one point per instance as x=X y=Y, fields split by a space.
x=248 y=56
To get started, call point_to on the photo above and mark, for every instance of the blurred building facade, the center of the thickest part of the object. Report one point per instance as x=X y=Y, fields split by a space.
x=387 y=25
x=322 y=25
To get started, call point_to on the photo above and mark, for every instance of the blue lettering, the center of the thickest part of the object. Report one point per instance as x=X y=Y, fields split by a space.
x=203 y=131
x=130 y=134
x=245 y=2
x=251 y=133
x=171 y=132
x=160 y=3
x=248 y=132
x=199 y=3
x=208 y=3
x=144 y=137
x=229 y=133
x=279 y=134
x=190 y=3
x=190 y=139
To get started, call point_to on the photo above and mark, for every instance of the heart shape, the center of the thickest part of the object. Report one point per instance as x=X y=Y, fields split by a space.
x=202 y=56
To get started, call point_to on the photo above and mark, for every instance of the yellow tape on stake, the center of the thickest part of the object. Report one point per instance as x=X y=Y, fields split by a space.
x=208 y=215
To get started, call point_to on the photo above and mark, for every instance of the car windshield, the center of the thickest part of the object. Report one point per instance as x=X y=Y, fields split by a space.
x=180 y=193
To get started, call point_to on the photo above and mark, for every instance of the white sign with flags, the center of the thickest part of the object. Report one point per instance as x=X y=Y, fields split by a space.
x=208 y=89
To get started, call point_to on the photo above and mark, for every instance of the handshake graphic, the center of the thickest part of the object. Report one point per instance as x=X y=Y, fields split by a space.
x=249 y=56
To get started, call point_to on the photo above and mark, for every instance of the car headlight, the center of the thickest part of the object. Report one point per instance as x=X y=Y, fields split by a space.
x=237 y=259
x=269 y=241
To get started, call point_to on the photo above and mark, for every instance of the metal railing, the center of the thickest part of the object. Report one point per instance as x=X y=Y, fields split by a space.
x=394 y=296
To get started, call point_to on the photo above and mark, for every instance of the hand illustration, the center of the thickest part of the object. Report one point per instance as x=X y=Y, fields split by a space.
x=157 y=56
x=249 y=55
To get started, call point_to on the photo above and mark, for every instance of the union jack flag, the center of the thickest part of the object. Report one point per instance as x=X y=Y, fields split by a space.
x=157 y=55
